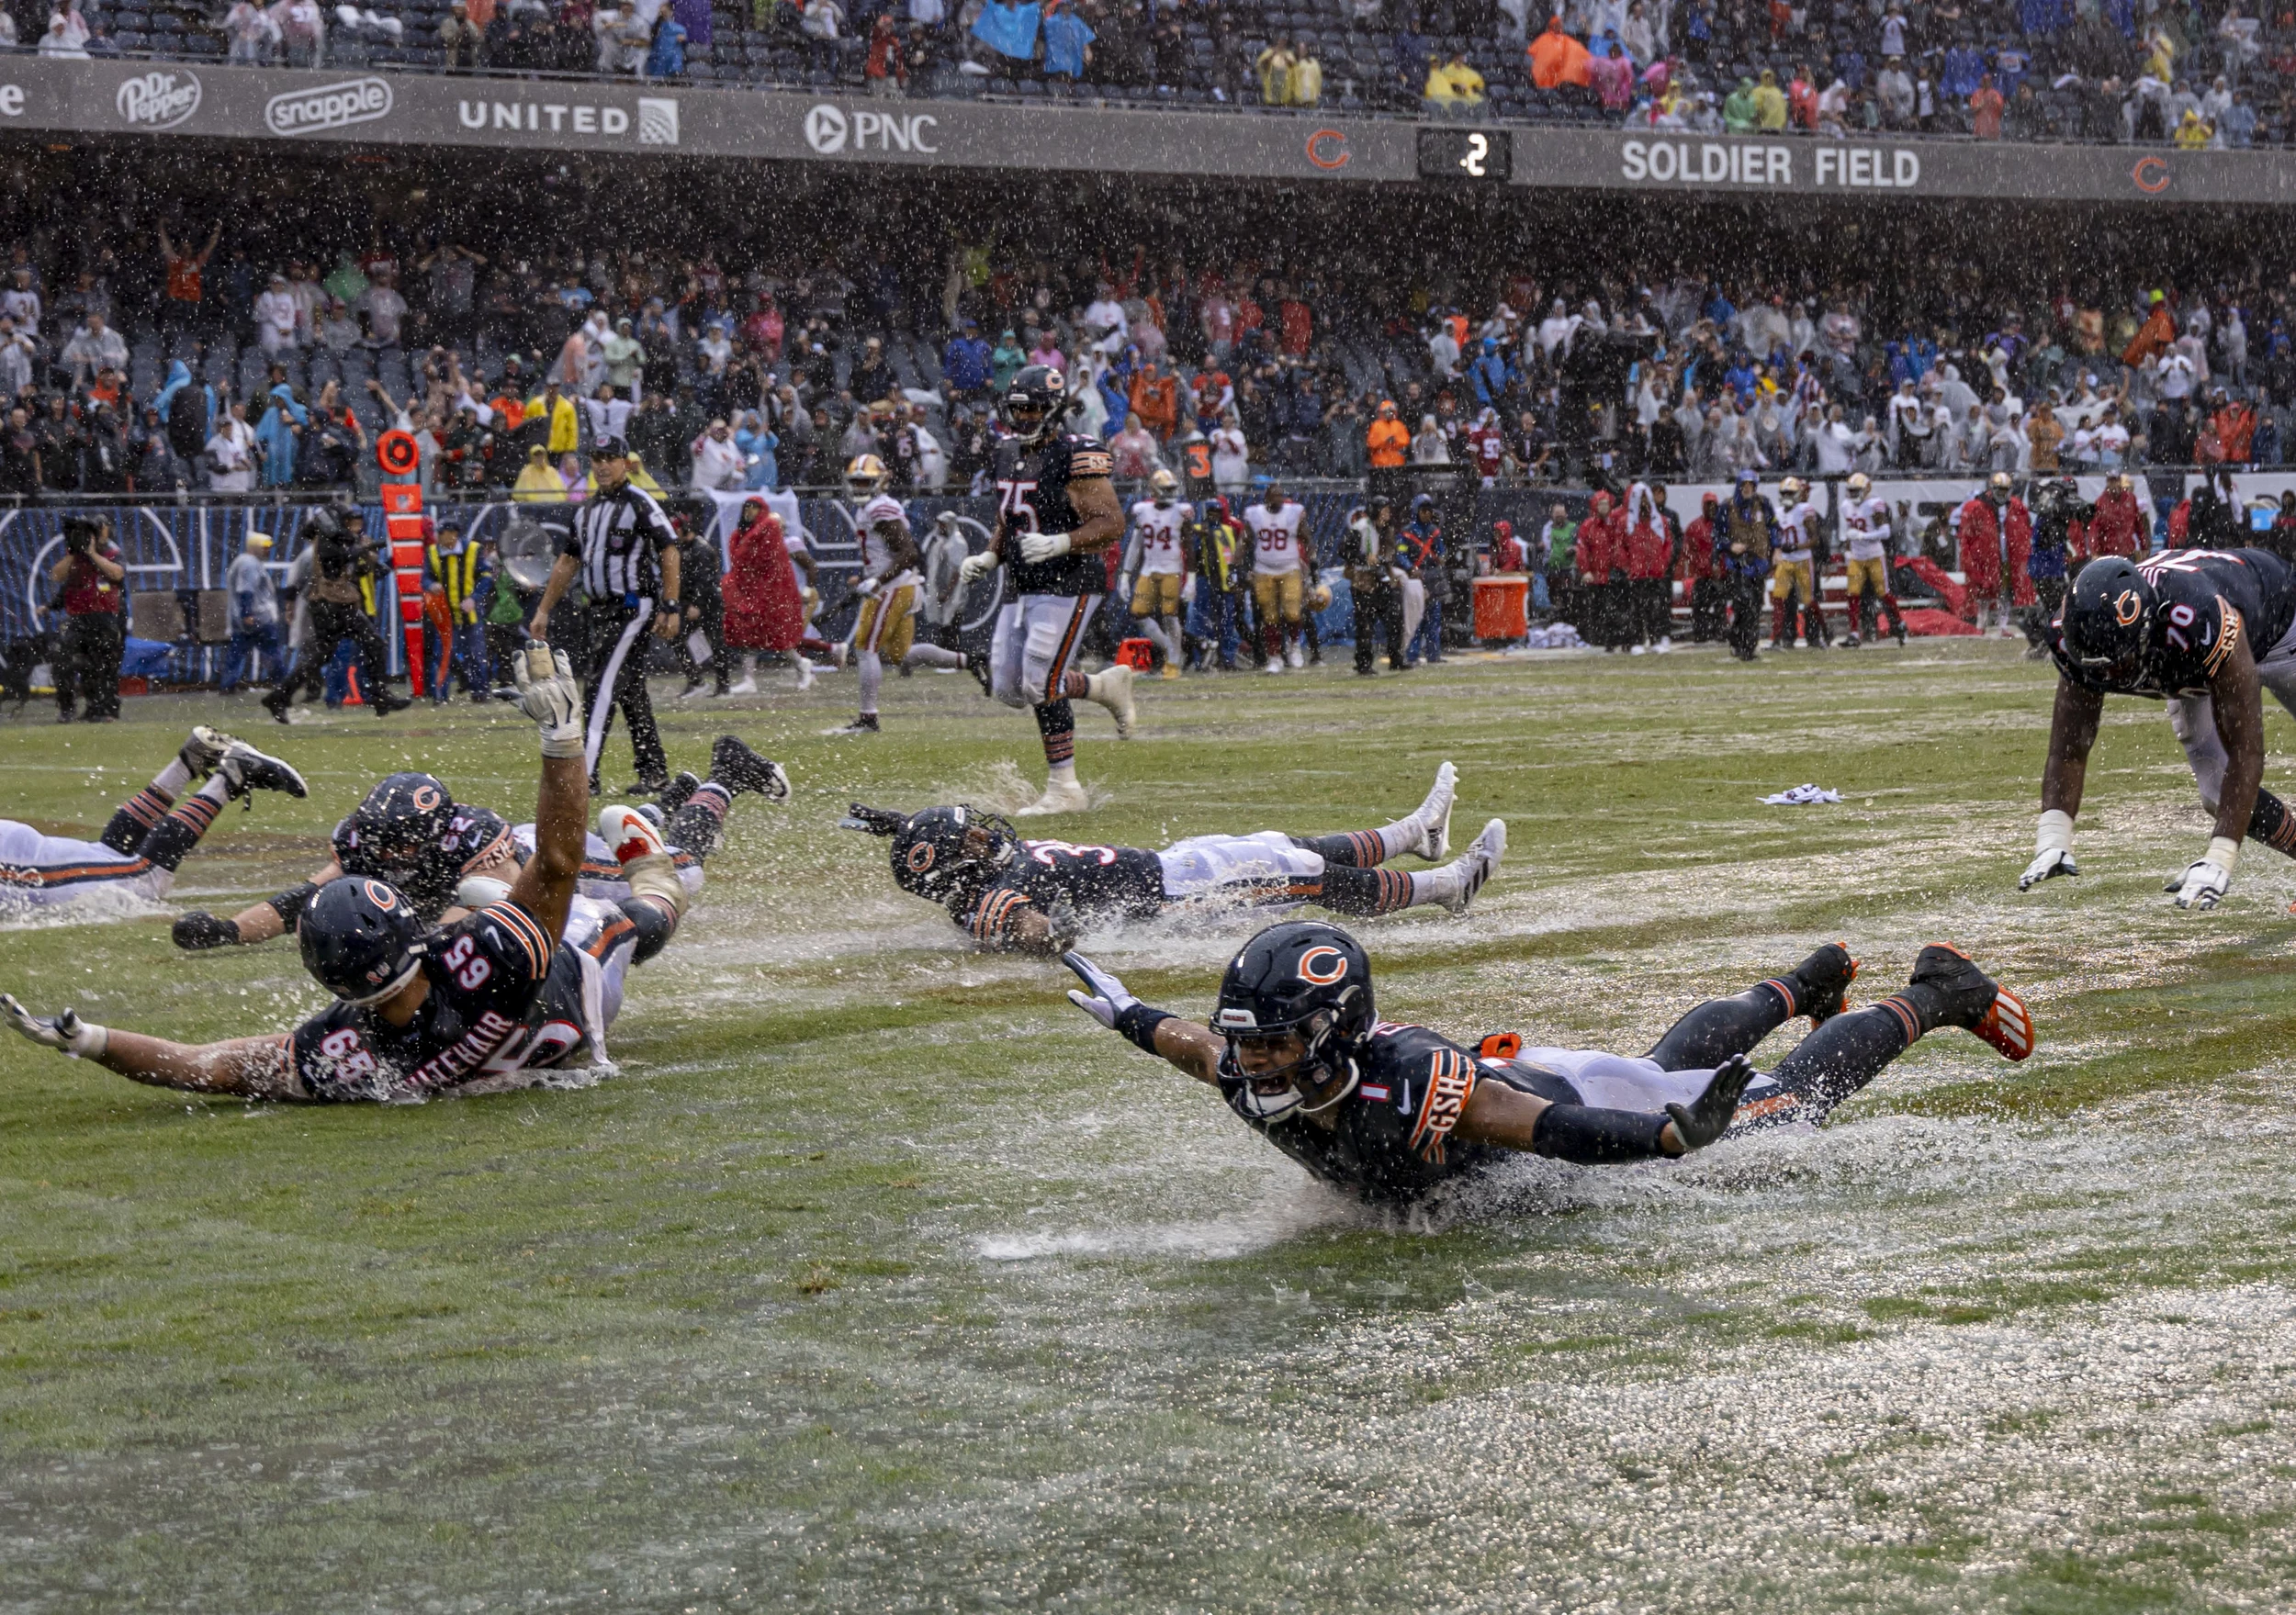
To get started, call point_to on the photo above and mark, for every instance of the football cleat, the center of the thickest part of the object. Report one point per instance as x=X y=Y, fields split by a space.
x=1824 y=978
x=680 y=791
x=1112 y=687
x=739 y=769
x=628 y=836
x=244 y=769
x=865 y=723
x=653 y=787
x=1433 y=816
x=1061 y=796
x=1476 y=866
x=1973 y=999
x=203 y=749
x=977 y=664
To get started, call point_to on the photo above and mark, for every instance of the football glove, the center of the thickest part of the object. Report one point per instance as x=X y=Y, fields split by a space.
x=2052 y=851
x=548 y=694
x=1042 y=546
x=975 y=568
x=200 y=929
x=868 y=586
x=1188 y=590
x=1108 y=997
x=1706 y=1117
x=2207 y=878
x=65 y=1033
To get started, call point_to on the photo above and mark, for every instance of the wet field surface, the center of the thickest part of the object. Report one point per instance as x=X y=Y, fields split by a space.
x=882 y=1279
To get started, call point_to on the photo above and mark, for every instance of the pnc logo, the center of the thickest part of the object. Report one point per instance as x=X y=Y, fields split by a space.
x=831 y=130
x=1323 y=966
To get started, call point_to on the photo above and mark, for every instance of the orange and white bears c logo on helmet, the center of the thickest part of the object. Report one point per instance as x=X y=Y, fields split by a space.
x=1323 y=966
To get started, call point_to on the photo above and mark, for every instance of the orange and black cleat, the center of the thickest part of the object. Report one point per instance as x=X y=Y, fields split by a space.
x=1967 y=997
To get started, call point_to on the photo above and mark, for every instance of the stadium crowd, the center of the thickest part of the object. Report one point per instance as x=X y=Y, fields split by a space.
x=172 y=359
x=2207 y=74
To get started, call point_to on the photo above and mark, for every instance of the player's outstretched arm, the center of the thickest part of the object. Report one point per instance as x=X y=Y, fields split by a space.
x=248 y=1068
x=1591 y=1136
x=275 y=917
x=2237 y=695
x=1193 y=1049
x=2072 y=735
x=548 y=694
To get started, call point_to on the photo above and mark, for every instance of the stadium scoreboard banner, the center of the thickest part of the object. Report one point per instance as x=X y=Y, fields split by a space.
x=177 y=101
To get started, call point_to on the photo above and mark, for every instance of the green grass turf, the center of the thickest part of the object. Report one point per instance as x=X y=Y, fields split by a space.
x=882 y=1280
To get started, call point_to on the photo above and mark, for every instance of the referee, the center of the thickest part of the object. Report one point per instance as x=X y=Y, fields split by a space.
x=627 y=555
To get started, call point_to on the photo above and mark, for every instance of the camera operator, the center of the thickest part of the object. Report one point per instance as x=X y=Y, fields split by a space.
x=342 y=557
x=94 y=580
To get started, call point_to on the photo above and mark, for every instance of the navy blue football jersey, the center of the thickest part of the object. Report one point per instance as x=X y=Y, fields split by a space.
x=1033 y=497
x=504 y=998
x=1074 y=883
x=2209 y=602
x=1391 y=1141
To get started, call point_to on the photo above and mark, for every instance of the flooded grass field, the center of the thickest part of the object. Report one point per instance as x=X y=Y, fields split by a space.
x=883 y=1280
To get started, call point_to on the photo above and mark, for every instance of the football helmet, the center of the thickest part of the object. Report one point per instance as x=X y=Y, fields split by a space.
x=361 y=939
x=401 y=819
x=866 y=476
x=1036 y=403
x=1306 y=976
x=934 y=851
x=1997 y=486
x=1163 y=486
x=2107 y=618
x=1792 y=488
x=1858 y=485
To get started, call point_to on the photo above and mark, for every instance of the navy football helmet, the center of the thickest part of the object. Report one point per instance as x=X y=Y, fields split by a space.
x=2108 y=619
x=1036 y=404
x=1307 y=977
x=361 y=939
x=401 y=819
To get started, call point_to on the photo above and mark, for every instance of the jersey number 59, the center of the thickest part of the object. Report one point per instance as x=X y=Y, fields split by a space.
x=470 y=967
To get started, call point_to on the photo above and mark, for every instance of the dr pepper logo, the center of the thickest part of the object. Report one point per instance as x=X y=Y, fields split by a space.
x=158 y=100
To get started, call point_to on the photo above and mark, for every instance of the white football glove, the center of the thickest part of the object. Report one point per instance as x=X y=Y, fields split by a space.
x=868 y=586
x=975 y=568
x=2207 y=878
x=1125 y=584
x=548 y=694
x=1108 y=997
x=1188 y=590
x=1042 y=546
x=65 y=1033
x=2052 y=851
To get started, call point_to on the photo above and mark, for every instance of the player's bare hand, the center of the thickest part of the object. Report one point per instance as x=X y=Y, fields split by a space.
x=1107 y=997
x=975 y=568
x=2202 y=884
x=65 y=1033
x=1708 y=1117
x=2057 y=860
x=548 y=694
x=1042 y=546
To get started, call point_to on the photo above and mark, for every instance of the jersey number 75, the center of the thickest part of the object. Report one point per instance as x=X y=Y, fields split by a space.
x=1013 y=510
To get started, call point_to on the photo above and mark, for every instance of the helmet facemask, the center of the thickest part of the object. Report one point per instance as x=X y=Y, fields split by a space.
x=1271 y=1093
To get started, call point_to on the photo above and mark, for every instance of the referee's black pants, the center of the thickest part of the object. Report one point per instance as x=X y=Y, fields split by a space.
x=617 y=677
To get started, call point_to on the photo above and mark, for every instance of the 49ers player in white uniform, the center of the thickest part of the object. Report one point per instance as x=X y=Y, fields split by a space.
x=1279 y=578
x=1158 y=559
x=887 y=588
x=1866 y=531
x=1794 y=568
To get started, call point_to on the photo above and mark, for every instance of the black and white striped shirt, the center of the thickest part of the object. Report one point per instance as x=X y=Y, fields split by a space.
x=618 y=536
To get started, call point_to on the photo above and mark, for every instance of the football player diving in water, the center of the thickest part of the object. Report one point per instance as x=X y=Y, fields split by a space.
x=1389 y=1112
x=1035 y=896
x=1057 y=509
x=522 y=980
x=412 y=832
x=2206 y=631
x=149 y=833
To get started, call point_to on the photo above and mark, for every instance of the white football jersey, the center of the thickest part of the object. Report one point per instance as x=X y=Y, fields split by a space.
x=1159 y=531
x=876 y=555
x=1798 y=530
x=1865 y=528
x=1274 y=537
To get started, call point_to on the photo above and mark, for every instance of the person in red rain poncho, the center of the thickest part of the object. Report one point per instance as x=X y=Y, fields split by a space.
x=1700 y=573
x=1602 y=560
x=2118 y=527
x=1649 y=556
x=1996 y=536
x=765 y=606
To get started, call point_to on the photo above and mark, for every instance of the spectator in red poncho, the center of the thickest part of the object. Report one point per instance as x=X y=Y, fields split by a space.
x=1602 y=562
x=1557 y=59
x=1996 y=536
x=2118 y=527
x=1508 y=554
x=1700 y=573
x=1649 y=557
x=765 y=609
